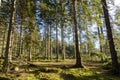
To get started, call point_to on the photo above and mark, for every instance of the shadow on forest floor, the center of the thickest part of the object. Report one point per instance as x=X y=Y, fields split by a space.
x=4 y=78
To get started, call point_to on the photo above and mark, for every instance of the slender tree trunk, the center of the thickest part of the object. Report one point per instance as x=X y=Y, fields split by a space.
x=50 y=43
x=62 y=41
x=115 y=65
x=80 y=38
x=11 y=46
x=12 y=15
x=48 y=47
x=62 y=30
x=87 y=36
x=99 y=35
x=29 y=54
x=46 y=44
x=57 y=44
x=78 y=56
x=3 y=44
x=74 y=44
x=101 y=28
x=20 y=42
x=45 y=48
x=102 y=39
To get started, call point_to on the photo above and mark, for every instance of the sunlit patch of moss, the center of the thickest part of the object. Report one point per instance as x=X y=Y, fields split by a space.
x=50 y=70
x=80 y=72
x=48 y=76
x=74 y=74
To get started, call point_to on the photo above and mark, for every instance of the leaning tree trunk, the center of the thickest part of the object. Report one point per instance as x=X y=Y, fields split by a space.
x=78 y=56
x=12 y=15
x=115 y=65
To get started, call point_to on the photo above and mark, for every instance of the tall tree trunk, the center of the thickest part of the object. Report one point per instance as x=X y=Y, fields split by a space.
x=57 y=44
x=115 y=65
x=46 y=44
x=99 y=35
x=29 y=54
x=12 y=15
x=56 y=25
x=102 y=39
x=48 y=47
x=87 y=36
x=20 y=42
x=62 y=30
x=3 y=44
x=80 y=38
x=50 y=42
x=62 y=40
x=11 y=46
x=78 y=56
x=74 y=44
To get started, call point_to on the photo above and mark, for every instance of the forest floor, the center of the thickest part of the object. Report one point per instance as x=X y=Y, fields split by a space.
x=46 y=70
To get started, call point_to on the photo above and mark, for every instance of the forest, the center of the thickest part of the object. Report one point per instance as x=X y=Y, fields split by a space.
x=59 y=40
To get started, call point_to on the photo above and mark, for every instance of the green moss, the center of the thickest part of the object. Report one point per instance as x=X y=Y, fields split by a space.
x=49 y=76
x=50 y=73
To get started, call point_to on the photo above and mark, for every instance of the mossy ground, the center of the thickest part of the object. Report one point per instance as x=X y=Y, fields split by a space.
x=56 y=71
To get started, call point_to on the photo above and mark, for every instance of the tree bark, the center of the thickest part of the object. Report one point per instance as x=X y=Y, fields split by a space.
x=29 y=54
x=50 y=42
x=20 y=42
x=87 y=37
x=115 y=65
x=99 y=35
x=78 y=56
x=12 y=15
x=57 y=50
x=46 y=52
x=3 y=44
x=62 y=37
x=74 y=44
